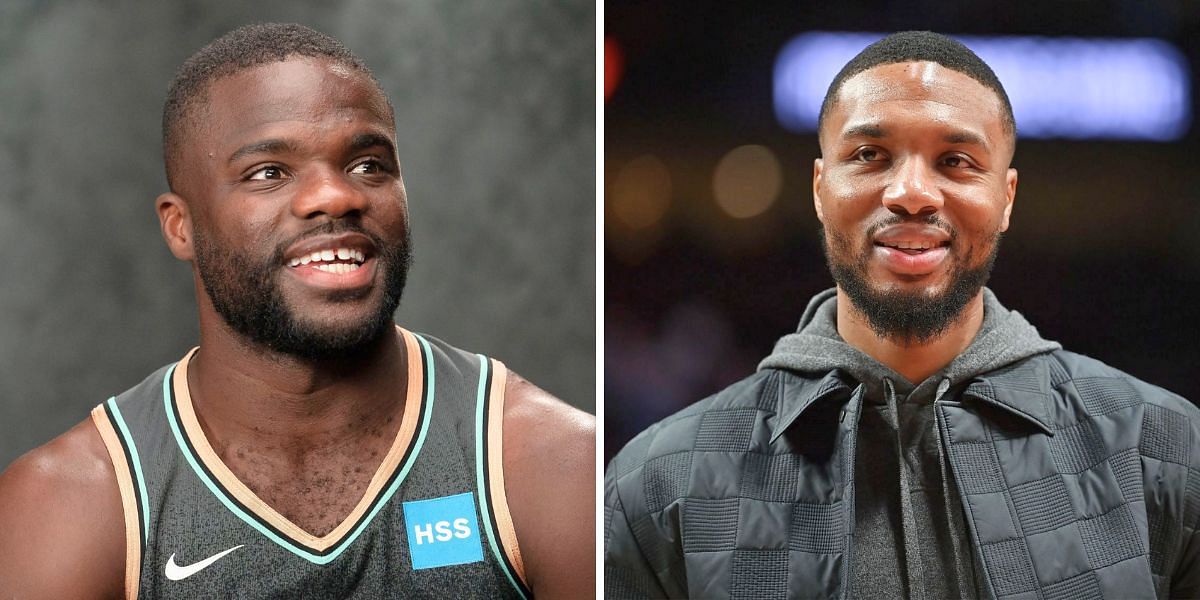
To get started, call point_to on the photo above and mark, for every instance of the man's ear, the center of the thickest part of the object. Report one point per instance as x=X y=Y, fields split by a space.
x=818 y=164
x=175 y=219
x=1010 y=195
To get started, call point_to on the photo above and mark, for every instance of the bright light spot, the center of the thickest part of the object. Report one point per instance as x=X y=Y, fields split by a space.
x=1128 y=88
x=747 y=181
x=641 y=192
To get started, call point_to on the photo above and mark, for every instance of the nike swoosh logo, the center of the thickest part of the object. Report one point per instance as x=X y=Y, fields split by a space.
x=175 y=572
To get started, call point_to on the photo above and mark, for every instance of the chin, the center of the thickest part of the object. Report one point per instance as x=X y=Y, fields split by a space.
x=925 y=286
x=325 y=341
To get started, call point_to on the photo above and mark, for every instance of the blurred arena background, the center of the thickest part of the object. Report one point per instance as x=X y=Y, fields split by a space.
x=495 y=111
x=711 y=246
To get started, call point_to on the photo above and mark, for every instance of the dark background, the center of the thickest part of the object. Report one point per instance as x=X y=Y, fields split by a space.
x=1101 y=254
x=495 y=112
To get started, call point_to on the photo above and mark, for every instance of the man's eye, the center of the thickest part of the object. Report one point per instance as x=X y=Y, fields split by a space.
x=266 y=173
x=367 y=167
x=956 y=162
x=868 y=155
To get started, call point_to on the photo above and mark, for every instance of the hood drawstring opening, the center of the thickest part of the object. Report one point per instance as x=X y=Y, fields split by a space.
x=956 y=533
x=913 y=562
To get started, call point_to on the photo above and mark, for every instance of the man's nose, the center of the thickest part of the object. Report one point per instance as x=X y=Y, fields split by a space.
x=913 y=190
x=331 y=194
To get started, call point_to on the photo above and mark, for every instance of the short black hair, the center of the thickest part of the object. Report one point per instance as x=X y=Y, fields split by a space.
x=236 y=51
x=910 y=46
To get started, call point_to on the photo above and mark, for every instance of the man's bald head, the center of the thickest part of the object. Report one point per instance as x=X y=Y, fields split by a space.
x=240 y=49
x=921 y=46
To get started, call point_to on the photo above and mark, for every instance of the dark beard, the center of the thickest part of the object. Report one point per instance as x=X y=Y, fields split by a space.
x=247 y=296
x=907 y=317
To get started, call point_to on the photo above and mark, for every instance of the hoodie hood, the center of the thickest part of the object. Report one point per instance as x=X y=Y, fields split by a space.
x=1004 y=338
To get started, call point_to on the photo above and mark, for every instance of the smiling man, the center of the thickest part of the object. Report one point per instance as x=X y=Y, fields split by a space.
x=309 y=447
x=914 y=438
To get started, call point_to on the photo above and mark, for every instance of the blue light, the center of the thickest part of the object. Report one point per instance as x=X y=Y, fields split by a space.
x=1132 y=89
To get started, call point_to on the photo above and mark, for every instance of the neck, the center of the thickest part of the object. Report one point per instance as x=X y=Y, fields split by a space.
x=243 y=392
x=916 y=361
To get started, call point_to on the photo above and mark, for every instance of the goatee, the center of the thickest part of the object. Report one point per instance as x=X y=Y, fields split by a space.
x=907 y=317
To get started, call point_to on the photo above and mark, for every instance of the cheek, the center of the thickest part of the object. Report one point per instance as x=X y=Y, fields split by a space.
x=987 y=220
x=976 y=208
x=246 y=229
x=845 y=204
x=256 y=215
x=392 y=207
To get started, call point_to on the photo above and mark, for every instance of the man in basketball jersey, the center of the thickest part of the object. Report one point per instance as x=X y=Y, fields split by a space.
x=309 y=447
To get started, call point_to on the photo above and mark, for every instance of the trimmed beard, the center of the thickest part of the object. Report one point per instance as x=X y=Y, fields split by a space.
x=247 y=296
x=907 y=317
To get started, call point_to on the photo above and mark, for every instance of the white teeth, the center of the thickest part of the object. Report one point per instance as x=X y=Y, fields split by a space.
x=338 y=268
x=910 y=245
x=322 y=256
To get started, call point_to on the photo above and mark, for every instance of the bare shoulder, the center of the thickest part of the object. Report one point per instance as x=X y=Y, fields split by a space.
x=538 y=421
x=550 y=482
x=60 y=511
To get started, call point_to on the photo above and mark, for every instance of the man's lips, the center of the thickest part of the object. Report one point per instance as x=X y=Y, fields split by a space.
x=910 y=262
x=342 y=262
x=317 y=248
x=908 y=249
x=911 y=236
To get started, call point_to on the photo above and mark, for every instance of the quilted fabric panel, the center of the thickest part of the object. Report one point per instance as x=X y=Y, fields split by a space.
x=1084 y=585
x=763 y=525
x=997 y=518
x=1058 y=554
x=1010 y=568
x=772 y=477
x=709 y=525
x=665 y=479
x=1076 y=449
x=759 y=574
x=1165 y=435
x=817 y=528
x=1043 y=505
x=726 y=430
x=1104 y=395
x=1127 y=466
x=977 y=468
x=1111 y=537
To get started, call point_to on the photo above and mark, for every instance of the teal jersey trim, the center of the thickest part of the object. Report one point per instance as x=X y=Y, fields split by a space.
x=137 y=466
x=485 y=503
x=320 y=559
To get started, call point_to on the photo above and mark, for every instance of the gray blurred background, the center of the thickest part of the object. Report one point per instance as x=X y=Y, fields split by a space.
x=495 y=111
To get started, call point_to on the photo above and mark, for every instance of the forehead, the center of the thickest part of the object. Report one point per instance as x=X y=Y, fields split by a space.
x=914 y=93
x=299 y=91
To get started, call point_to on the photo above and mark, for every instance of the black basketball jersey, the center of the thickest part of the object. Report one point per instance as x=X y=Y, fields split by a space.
x=434 y=521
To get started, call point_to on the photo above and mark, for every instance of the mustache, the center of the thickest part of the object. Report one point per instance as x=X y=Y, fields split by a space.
x=933 y=219
x=327 y=228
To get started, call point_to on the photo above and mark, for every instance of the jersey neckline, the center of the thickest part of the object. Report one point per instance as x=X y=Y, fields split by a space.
x=244 y=503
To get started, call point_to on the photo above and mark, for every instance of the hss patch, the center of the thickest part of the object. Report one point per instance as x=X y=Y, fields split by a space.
x=442 y=531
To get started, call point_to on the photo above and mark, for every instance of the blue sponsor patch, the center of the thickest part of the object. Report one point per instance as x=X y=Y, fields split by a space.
x=443 y=531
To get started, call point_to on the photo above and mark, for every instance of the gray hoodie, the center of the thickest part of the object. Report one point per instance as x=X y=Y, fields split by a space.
x=910 y=538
